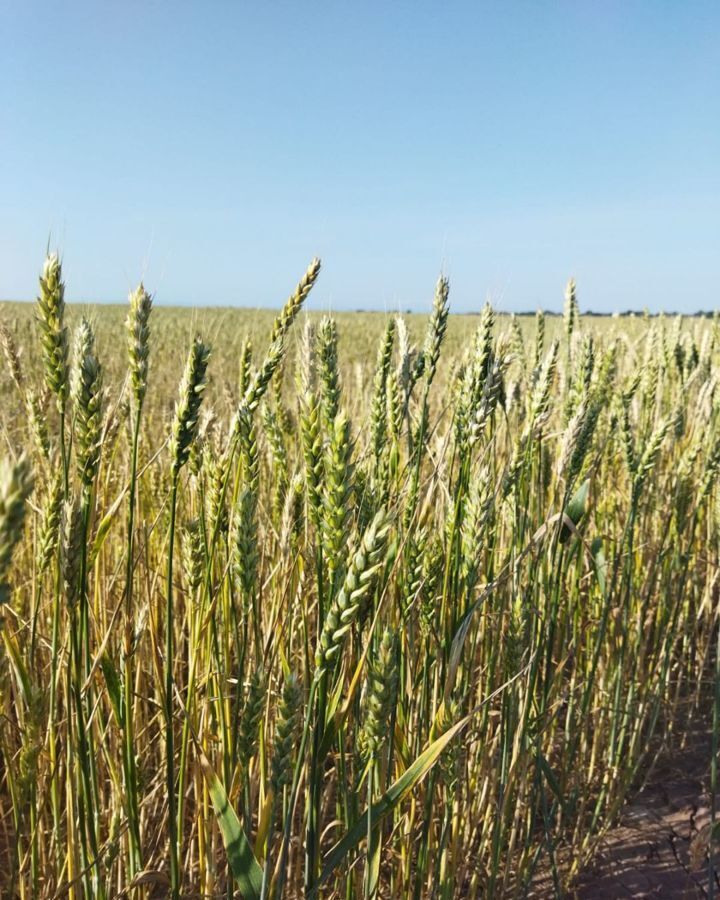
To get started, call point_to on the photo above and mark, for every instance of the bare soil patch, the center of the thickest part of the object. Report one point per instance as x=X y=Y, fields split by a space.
x=649 y=854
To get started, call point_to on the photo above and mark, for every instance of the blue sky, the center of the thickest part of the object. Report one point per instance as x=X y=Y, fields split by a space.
x=214 y=148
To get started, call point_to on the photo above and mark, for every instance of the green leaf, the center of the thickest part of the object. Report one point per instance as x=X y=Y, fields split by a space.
x=544 y=767
x=21 y=673
x=456 y=649
x=245 y=868
x=373 y=864
x=112 y=680
x=389 y=800
x=103 y=528
x=598 y=555
x=575 y=509
x=333 y=718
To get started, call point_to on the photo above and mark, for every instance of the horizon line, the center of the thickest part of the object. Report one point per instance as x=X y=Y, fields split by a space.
x=698 y=313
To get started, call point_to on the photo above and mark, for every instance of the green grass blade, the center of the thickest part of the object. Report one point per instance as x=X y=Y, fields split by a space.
x=244 y=866
x=389 y=800
x=575 y=509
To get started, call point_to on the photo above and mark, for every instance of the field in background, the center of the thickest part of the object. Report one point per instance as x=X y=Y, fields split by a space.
x=226 y=329
x=361 y=607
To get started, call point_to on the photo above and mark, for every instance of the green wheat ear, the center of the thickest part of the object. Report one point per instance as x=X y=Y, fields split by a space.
x=187 y=409
x=359 y=582
x=192 y=556
x=328 y=370
x=571 y=311
x=16 y=484
x=294 y=303
x=54 y=336
x=50 y=523
x=72 y=534
x=37 y=424
x=87 y=396
x=338 y=493
x=251 y=717
x=380 y=403
x=437 y=326
x=12 y=357
x=379 y=696
x=276 y=351
x=138 y=330
x=286 y=731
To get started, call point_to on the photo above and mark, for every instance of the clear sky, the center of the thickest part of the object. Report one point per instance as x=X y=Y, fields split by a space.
x=213 y=148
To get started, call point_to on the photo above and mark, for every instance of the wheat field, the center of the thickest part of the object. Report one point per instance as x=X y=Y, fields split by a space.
x=344 y=606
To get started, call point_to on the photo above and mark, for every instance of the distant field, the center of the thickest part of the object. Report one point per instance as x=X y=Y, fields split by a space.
x=226 y=328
